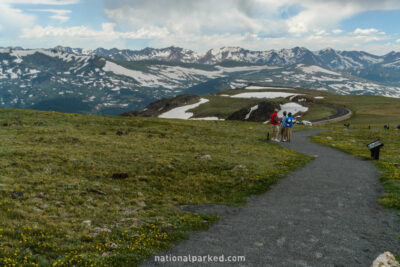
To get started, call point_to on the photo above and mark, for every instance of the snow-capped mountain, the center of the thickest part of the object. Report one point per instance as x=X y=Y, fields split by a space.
x=384 y=69
x=170 y=54
x=77 y=80
x=330 y=58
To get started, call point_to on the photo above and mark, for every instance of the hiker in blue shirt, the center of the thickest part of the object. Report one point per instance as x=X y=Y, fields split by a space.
x=288 y=128
x=283 y=127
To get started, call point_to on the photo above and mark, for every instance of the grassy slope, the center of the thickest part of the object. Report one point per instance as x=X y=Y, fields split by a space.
x=369 y=110
x=222 y=106
x=56 y=176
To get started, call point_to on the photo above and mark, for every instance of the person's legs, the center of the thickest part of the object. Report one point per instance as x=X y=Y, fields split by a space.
x=283 y=135
x=289 y=134
x=276 y=132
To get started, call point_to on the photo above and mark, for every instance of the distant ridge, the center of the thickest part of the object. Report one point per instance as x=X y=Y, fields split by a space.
x=333 y=59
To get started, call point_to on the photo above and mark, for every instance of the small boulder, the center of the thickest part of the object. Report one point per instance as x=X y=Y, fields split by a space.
x=204 y=157
x=120 y=133
x=98 y=230
x=120 y=176
x=17 y=194
x=36 y=209
x=239 y=167
x=87 y=222
x=141 y=204
x=386 y=259
x=106 y=254
x=135 y=222
x=129 y=211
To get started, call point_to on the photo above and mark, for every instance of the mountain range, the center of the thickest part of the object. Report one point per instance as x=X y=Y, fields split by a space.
x=355 y=62
x=113 y=81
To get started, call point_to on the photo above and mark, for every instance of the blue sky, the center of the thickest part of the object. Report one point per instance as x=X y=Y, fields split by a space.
x=367 y=25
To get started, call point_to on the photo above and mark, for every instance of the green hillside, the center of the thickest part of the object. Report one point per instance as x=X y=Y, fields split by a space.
x=367 y=110
x=81 y=190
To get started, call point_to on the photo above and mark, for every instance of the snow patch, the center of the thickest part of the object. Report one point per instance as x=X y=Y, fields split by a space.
x=266 y=88
x=315 y=69
x=180 y=112
x=293 y=108
x=263 y=95
x=251 y=111
x=207 y=119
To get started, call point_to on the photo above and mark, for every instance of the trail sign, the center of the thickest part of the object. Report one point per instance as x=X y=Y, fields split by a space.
x=375 y=147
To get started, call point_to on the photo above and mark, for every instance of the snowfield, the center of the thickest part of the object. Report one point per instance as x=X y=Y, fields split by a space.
x=207 y=119
x=181 y=112
x=264 y=95
x=315 y=69
x=266 y=88
x=294 y=108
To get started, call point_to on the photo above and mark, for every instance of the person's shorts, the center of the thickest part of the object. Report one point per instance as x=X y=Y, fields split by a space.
x=275 y=128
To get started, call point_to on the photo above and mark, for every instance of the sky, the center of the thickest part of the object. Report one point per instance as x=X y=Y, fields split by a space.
x=367 y=25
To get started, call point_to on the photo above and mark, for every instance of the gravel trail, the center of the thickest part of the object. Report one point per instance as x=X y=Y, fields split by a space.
x=325 y=214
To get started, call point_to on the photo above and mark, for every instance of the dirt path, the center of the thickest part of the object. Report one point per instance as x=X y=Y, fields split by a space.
x=325 y=214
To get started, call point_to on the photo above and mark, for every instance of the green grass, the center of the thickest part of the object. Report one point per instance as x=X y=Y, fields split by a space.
x=60 y=205
x=222 y=107
x=369 y=110
x=354 y=142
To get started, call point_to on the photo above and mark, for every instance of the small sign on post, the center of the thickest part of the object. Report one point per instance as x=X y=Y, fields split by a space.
x=375 y=147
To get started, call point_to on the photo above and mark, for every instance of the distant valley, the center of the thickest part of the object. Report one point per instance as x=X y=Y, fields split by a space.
x=115 y=81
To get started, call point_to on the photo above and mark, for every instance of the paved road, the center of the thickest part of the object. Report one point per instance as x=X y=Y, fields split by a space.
x=340 y=112
x=325 y=214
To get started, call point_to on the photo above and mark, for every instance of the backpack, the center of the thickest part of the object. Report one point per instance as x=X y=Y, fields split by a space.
x=289 y=122
x=274 y=119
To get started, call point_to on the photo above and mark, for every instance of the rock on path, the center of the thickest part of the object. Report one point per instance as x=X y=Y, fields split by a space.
x=325 y=214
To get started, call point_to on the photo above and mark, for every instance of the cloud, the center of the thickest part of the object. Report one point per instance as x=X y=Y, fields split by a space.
x=59 y=14
x=83 y=32
x=42 y=2
x=398 y=41
x=13 y=19
x=189 y=16
x=201 y=25
x=254 y=16
x=365 y=31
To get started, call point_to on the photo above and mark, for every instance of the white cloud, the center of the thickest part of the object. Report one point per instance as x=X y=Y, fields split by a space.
x=337 y=31
x=254 y=16
x=398 y=41
x=42 y=2
x=201 y=25
x=366 y=31
x=59 y=14
x=12 y=19
x=83 y=32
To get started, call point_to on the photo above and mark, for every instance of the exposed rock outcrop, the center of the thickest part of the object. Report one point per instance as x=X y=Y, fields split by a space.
x=259 y=114
x=157 y=108
x=386 y=259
